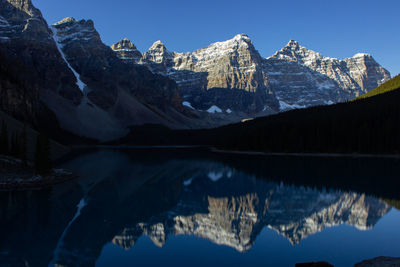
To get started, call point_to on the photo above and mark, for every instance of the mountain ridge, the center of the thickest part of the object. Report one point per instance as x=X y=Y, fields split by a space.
x=92 y=90
x=294 y=76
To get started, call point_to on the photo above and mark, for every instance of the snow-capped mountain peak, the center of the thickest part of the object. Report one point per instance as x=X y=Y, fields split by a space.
x=239 y=40
x=362 y=55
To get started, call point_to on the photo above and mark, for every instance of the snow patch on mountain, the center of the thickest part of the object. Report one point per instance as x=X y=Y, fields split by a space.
x=361 y=55
x=187 y=104
x=214 y=109
x=3 y=22
x=286 y=106
x=215 y=176
x=79 y=82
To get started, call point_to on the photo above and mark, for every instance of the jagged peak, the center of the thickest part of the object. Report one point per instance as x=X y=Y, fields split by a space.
x=359 y=55
x=292 y=42
x=295 y=49
x=158 y=46
x=241 y=37
x=69 y=21
x=124 y=44
x=25 y=5
x=293 y=45
x=65 y=20
x=237 y=40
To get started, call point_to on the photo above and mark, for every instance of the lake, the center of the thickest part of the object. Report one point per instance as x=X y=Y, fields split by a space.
x=153 y=207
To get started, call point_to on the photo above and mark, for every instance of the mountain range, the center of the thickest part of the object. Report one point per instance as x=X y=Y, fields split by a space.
x=293 y=77
x=64 y=77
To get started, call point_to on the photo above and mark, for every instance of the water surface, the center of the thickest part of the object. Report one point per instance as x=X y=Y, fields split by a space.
x=194 y=208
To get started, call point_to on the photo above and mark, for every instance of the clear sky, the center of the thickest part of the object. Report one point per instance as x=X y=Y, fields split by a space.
x=338 y=28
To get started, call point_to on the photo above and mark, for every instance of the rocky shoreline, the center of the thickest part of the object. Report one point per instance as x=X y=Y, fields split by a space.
x=17 y=175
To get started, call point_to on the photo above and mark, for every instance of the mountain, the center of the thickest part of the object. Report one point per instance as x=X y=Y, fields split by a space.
x=303 y=78
x=63 y=79
x=232 y=76
x=30 y=65
x=118 y=95
x=127 y=51
x=64 y=76
x=392 y=84
x=226 y=75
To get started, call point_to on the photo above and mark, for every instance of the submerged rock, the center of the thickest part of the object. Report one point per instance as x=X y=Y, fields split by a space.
x=380 y=262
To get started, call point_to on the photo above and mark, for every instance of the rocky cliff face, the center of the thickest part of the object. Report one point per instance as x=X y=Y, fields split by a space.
x=204 y=75
x=302 y=77
x=66 y=73
x=127 y=51
x=123 y=95
x=294 y=77
x=31 y=65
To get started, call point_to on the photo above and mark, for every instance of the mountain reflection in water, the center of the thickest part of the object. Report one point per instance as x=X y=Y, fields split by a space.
x=128 y=195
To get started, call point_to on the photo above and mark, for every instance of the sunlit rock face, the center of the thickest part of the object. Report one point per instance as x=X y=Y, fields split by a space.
x=127 y=51
x=294 y=77
x=234 y=64
x=236 y=220
x=302 y=77
x=20 y=19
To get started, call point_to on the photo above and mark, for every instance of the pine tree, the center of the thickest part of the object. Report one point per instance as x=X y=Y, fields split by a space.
x=4 y=139
x=42 y=155
x=23 y=155
x=15 y=150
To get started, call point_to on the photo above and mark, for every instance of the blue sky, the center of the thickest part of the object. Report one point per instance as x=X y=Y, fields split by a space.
x=339 y=28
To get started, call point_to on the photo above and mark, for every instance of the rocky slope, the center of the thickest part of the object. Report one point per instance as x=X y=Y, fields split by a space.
x=232 y=75
x=117 y=95
x=65 y=75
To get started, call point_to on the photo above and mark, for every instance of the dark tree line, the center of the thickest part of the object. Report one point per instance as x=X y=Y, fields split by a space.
x=368 y=126
x=42 y=155
x=15 y=145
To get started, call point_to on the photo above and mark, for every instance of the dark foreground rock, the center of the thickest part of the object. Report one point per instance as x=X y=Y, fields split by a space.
x=380 y=261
